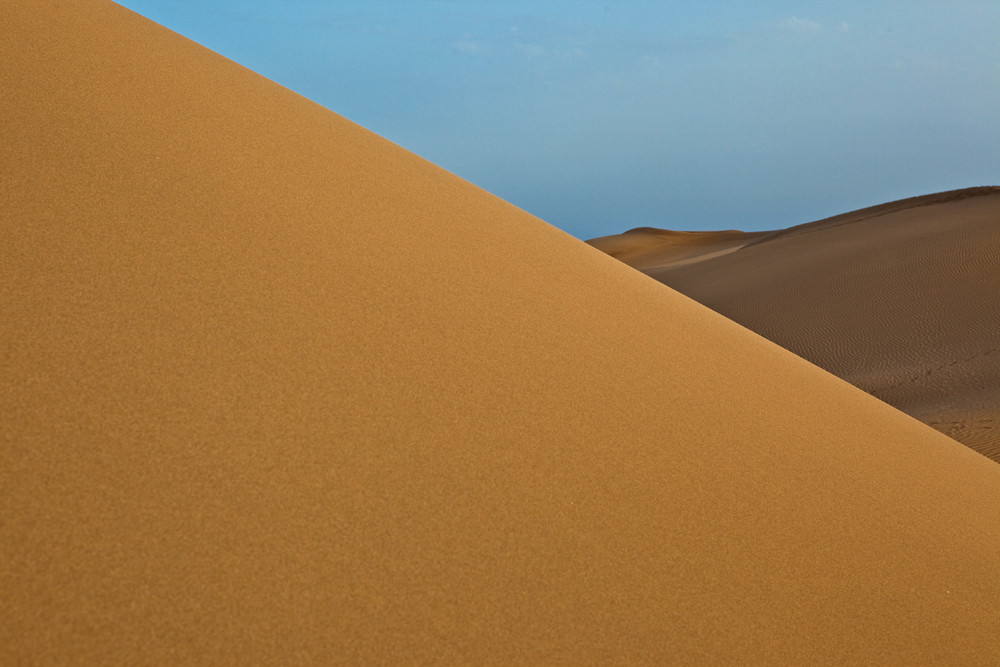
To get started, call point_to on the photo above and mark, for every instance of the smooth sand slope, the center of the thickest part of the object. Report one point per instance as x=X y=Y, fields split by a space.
x=902 y=300
x=646 y=247
x=277 y=391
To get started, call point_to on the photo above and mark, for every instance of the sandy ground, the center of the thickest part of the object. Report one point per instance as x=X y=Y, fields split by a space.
x=902 y=300
x=649 y=248
x=275 y=391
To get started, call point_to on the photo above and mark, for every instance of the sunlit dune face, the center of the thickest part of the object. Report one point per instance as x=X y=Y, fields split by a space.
x=275 y=390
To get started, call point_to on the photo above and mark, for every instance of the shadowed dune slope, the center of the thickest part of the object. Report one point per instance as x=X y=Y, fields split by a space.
x=647 y=248
x=277 y=391
x=902 y=300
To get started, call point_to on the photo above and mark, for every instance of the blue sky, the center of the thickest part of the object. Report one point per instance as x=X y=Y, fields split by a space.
x=603 y=116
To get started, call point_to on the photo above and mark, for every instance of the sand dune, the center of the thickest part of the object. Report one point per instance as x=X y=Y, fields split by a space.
x=276 y=391
x=902 y=300
x=646 y=248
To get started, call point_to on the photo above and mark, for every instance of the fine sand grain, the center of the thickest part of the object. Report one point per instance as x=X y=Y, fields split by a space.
x=276 y=391
x=902 y=300
x=648 y=248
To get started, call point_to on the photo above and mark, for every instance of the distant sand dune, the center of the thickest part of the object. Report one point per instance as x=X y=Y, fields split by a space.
x=646 y=248
x=902 y=300
x=276 y=391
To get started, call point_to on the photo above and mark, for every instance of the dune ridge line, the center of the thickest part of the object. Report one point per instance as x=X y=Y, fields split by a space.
x=275 y=391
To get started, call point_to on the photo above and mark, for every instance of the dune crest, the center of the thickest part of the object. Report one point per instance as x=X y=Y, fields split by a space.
x=648 y=248
x=276 y=391
x=900 y=299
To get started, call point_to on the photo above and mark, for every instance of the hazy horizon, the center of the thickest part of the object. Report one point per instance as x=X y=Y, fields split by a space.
x=599 y=117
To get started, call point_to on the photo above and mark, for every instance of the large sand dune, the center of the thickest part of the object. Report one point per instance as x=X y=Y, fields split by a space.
x=902 y=300
x=277 y=391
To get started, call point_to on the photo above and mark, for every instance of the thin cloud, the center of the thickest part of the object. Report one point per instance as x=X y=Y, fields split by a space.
x=467 y=46
x=800 y=25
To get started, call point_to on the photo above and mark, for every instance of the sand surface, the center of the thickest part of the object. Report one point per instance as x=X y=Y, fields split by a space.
x=649 y=248
x=902 y=300
x=275 y=391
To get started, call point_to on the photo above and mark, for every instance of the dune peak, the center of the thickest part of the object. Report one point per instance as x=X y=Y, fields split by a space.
x=276 y=390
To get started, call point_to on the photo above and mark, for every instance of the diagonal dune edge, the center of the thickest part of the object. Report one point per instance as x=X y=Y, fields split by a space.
x=900 y=299
x=275 y=390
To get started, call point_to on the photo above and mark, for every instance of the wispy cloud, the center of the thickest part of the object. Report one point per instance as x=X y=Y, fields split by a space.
x=468 y=46
x=800 y=25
